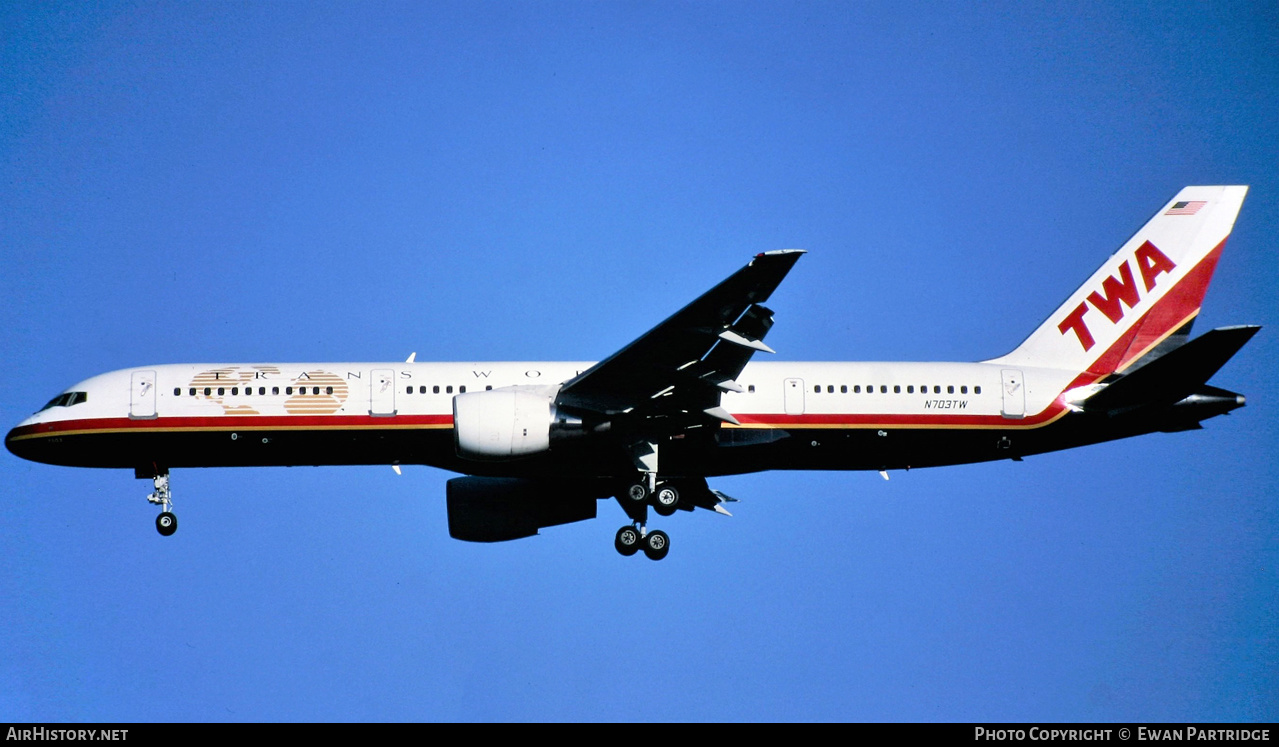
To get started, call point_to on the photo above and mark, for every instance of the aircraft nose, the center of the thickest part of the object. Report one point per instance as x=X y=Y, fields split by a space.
x=17 y=440
x=12 y=445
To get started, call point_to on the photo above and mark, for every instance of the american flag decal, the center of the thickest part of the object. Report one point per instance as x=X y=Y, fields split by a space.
x=1186 y=208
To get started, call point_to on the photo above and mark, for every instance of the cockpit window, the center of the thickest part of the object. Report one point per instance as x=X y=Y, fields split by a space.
x=66 y=399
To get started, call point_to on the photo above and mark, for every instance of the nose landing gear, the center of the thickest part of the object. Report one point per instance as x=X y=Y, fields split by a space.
x=167 y=522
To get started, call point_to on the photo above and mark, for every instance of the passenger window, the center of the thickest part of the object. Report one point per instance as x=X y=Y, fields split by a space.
x=435 y=390
x=883 y=389
x=208 y=391
x=221 y=391
x=461 y=389
x=976 y=390
x=448 y=389
x=897 y=389
x=963 y=390
x=288 y=390
x=275 y=390
x=950 y=390
x=817 y=389
x=843 y=389
x=248 y=390
x=408 y=390
x=751 y=388
x=192 y=392
x=857 y=389
x=177 y=391
x=488 y=387
x=936 y=389
x=421 y=389
x=262 y=390
x=328 y=390
x=910 y=389
x=315 y=390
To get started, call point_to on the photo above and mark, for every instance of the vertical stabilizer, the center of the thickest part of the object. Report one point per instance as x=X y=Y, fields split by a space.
x=1145 y=292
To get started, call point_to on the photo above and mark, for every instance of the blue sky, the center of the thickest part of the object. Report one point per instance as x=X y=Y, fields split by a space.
x=357 y=181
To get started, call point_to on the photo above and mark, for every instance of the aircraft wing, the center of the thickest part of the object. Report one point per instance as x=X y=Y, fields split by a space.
x=678 y=369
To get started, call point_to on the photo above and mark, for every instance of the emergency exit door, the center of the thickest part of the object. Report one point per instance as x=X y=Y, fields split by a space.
x=794 y=396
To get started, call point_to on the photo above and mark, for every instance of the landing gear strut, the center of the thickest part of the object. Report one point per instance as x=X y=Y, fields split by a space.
x=167 y=522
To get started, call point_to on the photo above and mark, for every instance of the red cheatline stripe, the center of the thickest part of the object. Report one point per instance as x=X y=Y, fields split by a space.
x=229 y=423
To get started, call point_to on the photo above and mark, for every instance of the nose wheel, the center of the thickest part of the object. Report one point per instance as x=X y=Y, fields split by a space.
x=167 y=522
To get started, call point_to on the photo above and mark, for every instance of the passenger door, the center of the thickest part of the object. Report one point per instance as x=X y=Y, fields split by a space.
x=382 y=392
x=1014 y=389
x=142 y=395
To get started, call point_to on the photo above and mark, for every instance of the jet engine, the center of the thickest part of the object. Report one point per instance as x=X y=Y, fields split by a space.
x=503 y=423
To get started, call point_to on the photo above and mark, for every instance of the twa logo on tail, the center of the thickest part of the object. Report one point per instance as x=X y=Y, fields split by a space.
x=1146 y=291
x=1118 y=293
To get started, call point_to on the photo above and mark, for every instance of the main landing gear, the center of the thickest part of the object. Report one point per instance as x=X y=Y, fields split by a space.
x=167 y=522
x=664 y=497
x=631 y=539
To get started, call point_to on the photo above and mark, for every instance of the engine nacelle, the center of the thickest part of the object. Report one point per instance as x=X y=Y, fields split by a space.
x=494 y=509
x=502 y=423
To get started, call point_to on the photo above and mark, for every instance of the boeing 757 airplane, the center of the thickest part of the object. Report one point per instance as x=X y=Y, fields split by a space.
x=541 y=442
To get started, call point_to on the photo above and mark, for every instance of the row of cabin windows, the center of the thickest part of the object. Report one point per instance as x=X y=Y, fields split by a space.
x=897 y=389
x=248 y=390
x=448 y=389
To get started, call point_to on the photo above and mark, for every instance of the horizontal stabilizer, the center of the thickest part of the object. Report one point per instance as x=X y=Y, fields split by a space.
x=1174 y=376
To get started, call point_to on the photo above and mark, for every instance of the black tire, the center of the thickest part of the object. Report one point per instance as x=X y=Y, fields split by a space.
x=665 y=500
x=636 y=492
x=657 y=544
x=627 y=541
x=166 y=523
